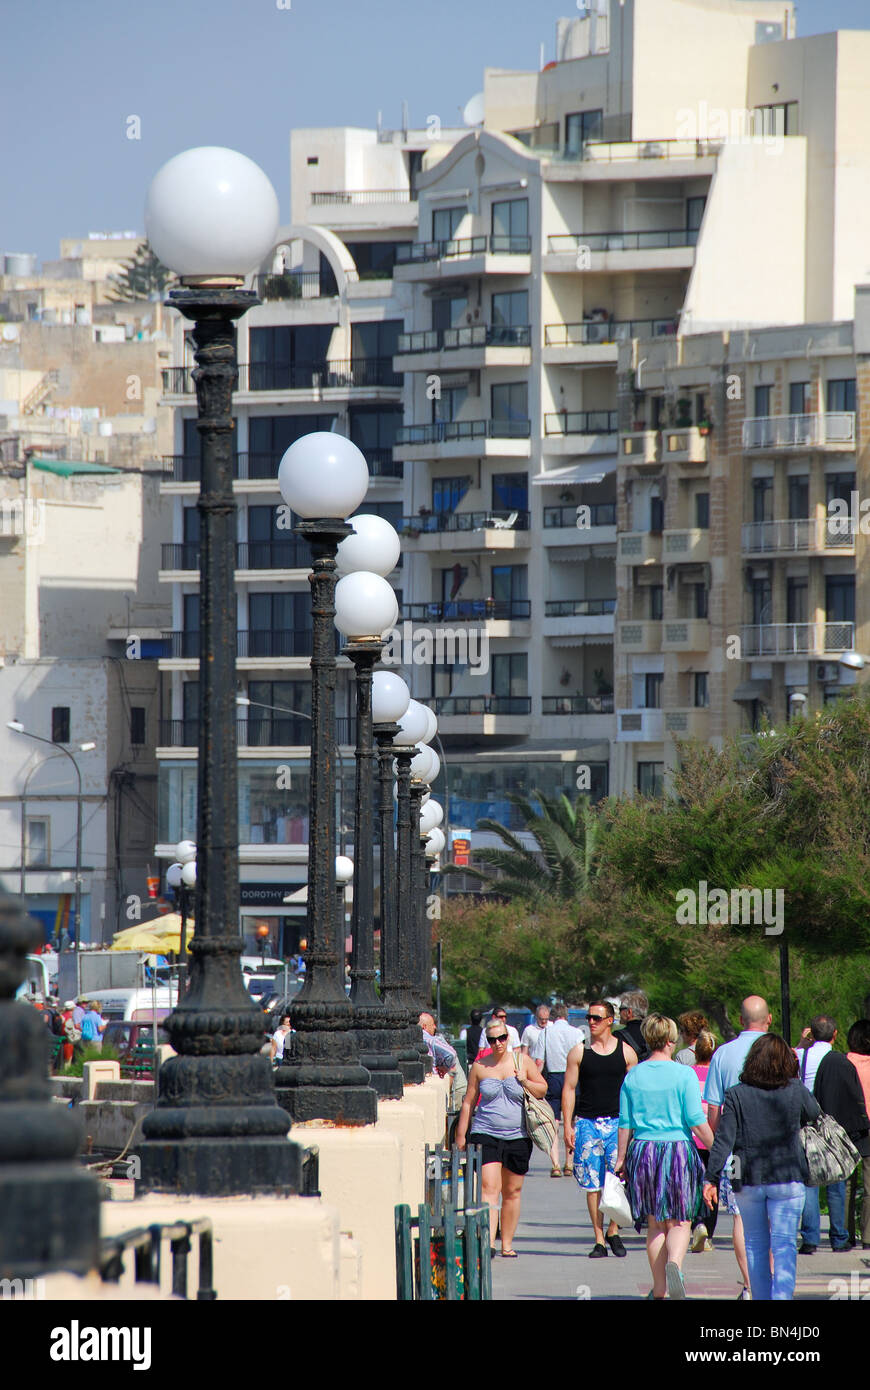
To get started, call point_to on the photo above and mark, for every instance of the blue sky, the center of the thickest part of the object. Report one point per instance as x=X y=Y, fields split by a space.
x=241 y=73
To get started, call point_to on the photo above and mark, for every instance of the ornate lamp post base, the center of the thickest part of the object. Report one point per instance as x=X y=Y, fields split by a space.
x=340 y=1092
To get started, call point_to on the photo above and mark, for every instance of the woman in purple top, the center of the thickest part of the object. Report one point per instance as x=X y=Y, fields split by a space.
x=499 y=1128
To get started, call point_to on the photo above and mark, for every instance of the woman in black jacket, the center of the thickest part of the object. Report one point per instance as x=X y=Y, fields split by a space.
x=760 y=1124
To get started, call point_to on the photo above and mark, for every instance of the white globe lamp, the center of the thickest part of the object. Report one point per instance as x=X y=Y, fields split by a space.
x=390 y=697
x=323 y=475
x=374 y=546
x=185 y=850
x=365 y=604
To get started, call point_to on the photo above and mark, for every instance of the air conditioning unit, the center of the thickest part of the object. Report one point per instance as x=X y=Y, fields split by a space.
x=828 y=673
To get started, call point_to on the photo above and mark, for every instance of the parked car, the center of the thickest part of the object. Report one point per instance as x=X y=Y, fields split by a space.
x=125 y=1038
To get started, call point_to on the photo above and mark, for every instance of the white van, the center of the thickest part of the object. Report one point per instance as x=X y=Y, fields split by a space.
x=135 y=1005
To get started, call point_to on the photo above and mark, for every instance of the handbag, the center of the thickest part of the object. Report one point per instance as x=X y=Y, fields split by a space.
x=831 y=1155
x=614 y=1205
x=541 y=1124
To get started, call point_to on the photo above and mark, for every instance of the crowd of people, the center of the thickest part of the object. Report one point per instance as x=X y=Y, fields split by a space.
x=691 y=1128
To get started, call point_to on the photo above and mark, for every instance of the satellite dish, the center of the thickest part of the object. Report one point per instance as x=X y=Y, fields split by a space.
x=10 y=332
x=474 y=110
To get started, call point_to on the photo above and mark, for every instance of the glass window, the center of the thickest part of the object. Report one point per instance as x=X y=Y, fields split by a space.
x=796 y=601
x=702 y=511
x=447 y=493
x=137 y=724
x=510 y=310
x=374 y=427
x=840 y=394
x=509 y=583
x=840 y=598
x=375 y=339
x=799 y=398
x=60 y=724
x=510 y=401
x=449 y=313
x=701 y=597
x=656 y=514
x=798 y=498
x=445 y=222
x=761 y=601
x=762 y=499
x=762 y=400
x=839 y=486
x=374 y=260
x=510 y=225
x=190 y=525
x=510 y=492
x=651 y=779
x=694 y=217
x=656 y=602
x=510 y=674
x=479 y=789
x=652 y=690
x=37 y=847
x=581 y=126
x=701 y=691
x=447 y=407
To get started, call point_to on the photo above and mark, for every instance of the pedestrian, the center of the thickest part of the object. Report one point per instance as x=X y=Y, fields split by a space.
x=471 y=1033
x=71 y=1034
x=704 y=1224
x=80 y=1010
x=815 y=1043
x=725 y=1068
x=499 y=1014
x=279 y=1037
x=838 y=1091
x=499 y=1129
x=532 y=1031
x=858 y=1040
x=550 y=1053
x=760 y=1124
x=633 y=1009
x=660 y=1106
x=94 y=1026
x=444 y=1057
x=690 y=1025
x=590 y=1113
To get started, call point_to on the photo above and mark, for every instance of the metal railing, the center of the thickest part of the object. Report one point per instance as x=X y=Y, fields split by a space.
x=592 y=331
x=250 y=645
x=483 y=704
x=287 y=732
x=295 y=376
x=477 y=335
x=607 y=151
x=650 y=240
x=465 y=521
x=447 y=431
x=600 y=514
x=292 y=553
x=260 y=466
x=799 y=431
x=296 y=284
x=361 y=197
x=456 y=247
x=579 y=607
x=796 y=639
x=577 y=704
x=582 y=422
x=800 y=534
x=468 y=610
x=146 y=1243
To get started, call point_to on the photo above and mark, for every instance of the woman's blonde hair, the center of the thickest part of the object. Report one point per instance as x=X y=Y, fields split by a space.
x=658 y=1031
x=705 y=1046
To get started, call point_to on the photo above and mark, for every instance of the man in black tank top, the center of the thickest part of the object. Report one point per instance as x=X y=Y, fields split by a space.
x=590 y=1113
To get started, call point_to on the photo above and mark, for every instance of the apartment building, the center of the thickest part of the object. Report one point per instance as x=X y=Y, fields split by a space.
x=317 y=354
x=78 y=647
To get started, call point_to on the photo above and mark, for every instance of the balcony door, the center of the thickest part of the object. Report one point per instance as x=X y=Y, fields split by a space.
x=510 y=675
x=840 y=598
x=510 y=492
x=510 y=589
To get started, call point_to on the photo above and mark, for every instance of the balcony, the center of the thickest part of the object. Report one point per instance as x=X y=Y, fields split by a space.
x=588 y=617
x=479 y=345
x=465 y=439
x=469 y=610
x=686 y=446
x=467 y=718
x=263 y=467
x=639 y=548
x=355 y=207
x=562 y=525
x=801 y=536
x=668 y=248
x=832 y=430
x=641 y=449
x=361 y=197
x=686 y=635
x=467 y=531
x=642 y=636
x=688 y=723
x=460 y=256
x=596 y=340
x=253 y=645
x=640 y=725
x=595 y=428
x=786 y=640
x=295 y=284
x=691 y=547
x=290 y=554
x=254 y=733
x=576 y=704
x=313 y=378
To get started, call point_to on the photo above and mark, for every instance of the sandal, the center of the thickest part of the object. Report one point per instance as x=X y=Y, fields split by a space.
x=555 y=1171
x=509 y=1255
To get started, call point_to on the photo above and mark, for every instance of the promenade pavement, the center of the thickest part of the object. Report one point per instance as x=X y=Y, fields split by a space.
x=555 y=1236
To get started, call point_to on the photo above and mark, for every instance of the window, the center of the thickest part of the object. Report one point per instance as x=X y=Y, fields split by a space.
x=510 y=674
x=510 y=492
x=510 y=225
x=702 y=691
x=510 y=312
x=762 y=400
x=373 y=429
x=652 y=690
x=841 y=394
x=581 y=126
x=839 y=486
x=269 y=436
x=284 y=358
x=779 y=119
x=651 y=779
x=701 y=600
x=377 y=342
x=447 y=493
x=277 y=712
x=799 y=398
x=449 y=404
x=274 y=614
x=60 y=724
x=762 y=499
x=509 y=587
x=312 y=159
x=374 y=260
x=656 y=602
x=449 y=313
x=137 y=725
x=798 y=498
x=37 y=842
x=702 y=511
x=656 y=514
x=796 y=600
x=761 y=600
x=694 y=217
x=510 y=402
x=840 y=598
x=445 y=222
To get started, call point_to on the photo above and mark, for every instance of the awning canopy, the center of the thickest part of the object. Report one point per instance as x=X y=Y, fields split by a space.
x=71 y=468
x=585 y=471
x=752 y=690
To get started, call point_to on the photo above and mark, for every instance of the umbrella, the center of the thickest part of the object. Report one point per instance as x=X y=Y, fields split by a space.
x=160 y=936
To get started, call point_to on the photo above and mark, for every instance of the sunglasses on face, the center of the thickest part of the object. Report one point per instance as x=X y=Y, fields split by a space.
x=597 y=1018
x=497 y=1037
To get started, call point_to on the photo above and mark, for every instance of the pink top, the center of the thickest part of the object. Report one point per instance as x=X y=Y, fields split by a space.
x=700 y=1069
x=861 y=1063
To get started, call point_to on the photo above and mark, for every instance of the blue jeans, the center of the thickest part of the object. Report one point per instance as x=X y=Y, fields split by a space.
x=771 y=1214
x=811 y=1222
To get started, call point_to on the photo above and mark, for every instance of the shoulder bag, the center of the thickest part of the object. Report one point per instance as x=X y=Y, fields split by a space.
x=831 y=1155
x=540 y=1121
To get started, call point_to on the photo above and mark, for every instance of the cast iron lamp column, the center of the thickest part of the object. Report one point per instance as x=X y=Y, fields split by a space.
x=424 y=770
x=414 y=727
x=211 y=216
x=323 y=478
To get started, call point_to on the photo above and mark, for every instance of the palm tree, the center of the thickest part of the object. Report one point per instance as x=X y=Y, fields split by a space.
x=562 y=866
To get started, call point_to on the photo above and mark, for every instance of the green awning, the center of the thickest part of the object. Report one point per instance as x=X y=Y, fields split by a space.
x=71 y=468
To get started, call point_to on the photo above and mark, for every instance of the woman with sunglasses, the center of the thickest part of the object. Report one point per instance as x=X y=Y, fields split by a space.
x=499 y=1128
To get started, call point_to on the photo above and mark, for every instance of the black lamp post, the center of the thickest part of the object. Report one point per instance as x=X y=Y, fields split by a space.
x=216 y=1129
x=408 y=923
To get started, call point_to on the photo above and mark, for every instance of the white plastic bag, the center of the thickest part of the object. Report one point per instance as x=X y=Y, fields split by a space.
x=614 y=1202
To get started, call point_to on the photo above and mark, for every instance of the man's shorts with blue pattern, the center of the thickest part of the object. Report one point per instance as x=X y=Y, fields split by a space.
x=595 y=1144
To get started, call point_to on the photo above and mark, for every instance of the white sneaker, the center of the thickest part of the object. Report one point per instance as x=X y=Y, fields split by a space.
x=699 y=1239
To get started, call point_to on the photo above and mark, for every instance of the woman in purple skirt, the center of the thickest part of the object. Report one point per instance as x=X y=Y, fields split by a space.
x=660 y=1104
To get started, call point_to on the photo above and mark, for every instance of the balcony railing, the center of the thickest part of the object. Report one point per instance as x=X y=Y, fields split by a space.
x=290 y=554
x=295 y=376
x=446 y=431
x=803 y=534
x=581 y=422
x=483 y=704
x=578 y=607
x=469 y=610
x=593 y=331
x=658 y=240
x=362 y=197
x=465 y=521
x=477 y=335
x=800 y=431
x=296 y=284
x=249 y=644
x=577 y=704
x=797 y=639
x=600 y=514
x=455 y=247
x=255 y=733
x=249 y=467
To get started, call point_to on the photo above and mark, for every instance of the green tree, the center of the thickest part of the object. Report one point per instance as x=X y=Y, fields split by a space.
x=143 y=277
